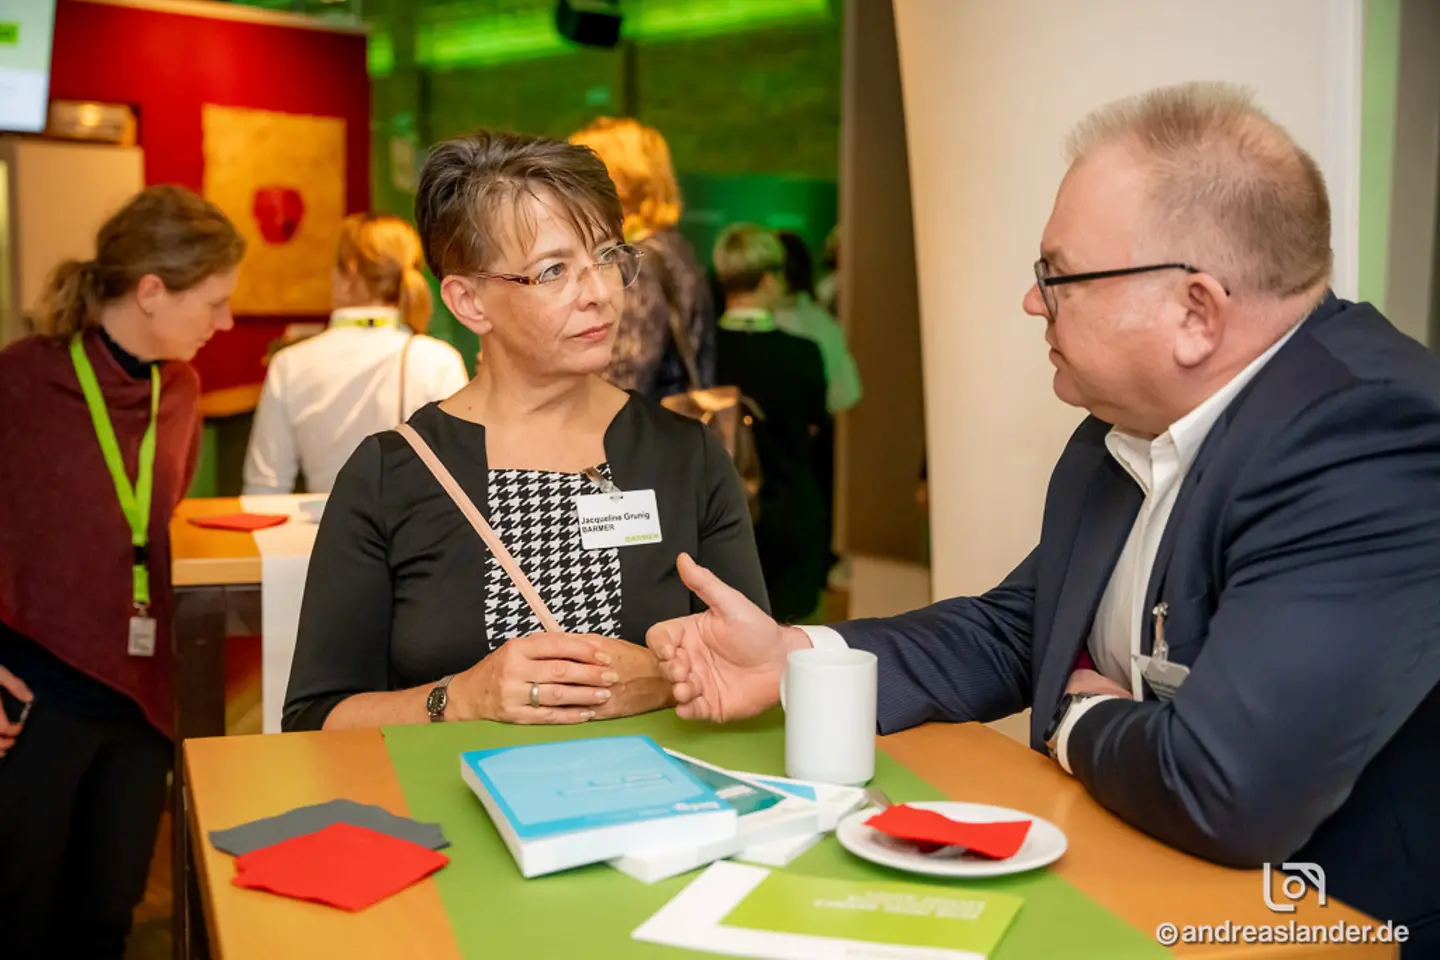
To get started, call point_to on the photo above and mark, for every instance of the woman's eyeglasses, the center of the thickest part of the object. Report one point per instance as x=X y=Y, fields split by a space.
x=616 y=266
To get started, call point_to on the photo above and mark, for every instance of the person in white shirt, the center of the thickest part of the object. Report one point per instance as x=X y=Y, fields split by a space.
x=369 y=371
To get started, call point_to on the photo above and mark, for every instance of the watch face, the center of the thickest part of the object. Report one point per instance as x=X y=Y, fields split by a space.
x=435 y=703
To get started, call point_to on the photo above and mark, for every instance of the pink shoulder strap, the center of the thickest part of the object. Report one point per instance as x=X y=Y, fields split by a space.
x=467 y=507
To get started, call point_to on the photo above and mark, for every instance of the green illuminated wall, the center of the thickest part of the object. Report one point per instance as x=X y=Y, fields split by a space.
x=1377 y=144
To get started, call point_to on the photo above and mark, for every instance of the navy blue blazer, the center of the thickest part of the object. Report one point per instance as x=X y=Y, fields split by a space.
x=1301 y=567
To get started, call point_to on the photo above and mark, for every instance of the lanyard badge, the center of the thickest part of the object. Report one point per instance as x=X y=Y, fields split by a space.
x=134 y=499
x=1163 y=676
x=615 y=517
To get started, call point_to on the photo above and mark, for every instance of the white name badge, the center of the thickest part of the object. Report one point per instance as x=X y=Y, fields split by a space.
x=1163 y=676
x=618 y=519
x=142 y=637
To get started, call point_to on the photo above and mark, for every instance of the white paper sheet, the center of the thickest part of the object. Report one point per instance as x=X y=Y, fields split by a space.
x=284 y=559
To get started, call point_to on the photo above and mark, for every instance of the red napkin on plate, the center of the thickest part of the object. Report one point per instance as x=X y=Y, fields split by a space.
x=343 y=865
x=997 y=841
x=241 y=521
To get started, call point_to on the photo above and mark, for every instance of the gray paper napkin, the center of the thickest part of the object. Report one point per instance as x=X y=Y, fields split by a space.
x=301 y=821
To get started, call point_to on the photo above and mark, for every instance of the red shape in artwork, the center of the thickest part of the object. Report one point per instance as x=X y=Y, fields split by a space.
x=278 y=211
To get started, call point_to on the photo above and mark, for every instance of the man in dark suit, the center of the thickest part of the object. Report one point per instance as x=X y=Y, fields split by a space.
x=1230 y=629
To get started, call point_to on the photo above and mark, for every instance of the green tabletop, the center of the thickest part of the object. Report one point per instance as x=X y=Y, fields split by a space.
x=591 y=912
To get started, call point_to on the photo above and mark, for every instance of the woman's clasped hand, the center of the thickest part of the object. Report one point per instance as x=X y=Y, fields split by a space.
x=559 y=678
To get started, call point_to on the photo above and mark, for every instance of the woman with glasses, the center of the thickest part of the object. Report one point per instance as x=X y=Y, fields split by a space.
x=503 y=555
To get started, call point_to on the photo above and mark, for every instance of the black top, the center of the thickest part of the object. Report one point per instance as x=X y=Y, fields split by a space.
x=396 y=592
x=131 y=364
x=785 y=376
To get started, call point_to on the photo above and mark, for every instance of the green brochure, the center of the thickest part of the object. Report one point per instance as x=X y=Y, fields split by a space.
x=753 y=912
x=907 y=914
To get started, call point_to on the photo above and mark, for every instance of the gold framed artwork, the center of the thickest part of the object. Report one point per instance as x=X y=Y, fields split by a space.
x=281 y=178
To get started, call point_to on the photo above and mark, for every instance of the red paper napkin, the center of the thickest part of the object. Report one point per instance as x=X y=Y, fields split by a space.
x=241 y=521
x=343 y=865
x=998 y=841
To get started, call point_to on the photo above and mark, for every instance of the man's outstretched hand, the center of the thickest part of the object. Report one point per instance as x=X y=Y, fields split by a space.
x=726 y=663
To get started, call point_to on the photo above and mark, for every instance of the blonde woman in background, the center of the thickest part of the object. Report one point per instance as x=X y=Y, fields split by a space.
x=646 y=358
x=368 y=372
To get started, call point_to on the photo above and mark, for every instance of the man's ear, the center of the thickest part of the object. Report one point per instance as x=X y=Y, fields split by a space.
x=1203 y=326
x=462 y=297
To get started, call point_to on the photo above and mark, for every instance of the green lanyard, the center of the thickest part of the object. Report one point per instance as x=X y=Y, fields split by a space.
x=134 y=500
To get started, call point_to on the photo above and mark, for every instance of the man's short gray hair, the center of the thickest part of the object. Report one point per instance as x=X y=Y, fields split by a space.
x=1232 y=192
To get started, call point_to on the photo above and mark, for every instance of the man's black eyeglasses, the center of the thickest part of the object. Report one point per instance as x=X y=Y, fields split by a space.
x=1044 y=279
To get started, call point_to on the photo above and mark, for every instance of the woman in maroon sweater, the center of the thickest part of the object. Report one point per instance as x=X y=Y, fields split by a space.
x=85 y=598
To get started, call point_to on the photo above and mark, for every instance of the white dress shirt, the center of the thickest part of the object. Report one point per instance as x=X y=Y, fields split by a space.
x=324 y=395
x=1158 y=466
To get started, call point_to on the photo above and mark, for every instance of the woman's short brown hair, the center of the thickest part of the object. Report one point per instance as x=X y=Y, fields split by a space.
x=468 y=201
x=638 y=159
x=166 y=231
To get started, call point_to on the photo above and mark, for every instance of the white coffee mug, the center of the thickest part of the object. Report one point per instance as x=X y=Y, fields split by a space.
x=829 y=701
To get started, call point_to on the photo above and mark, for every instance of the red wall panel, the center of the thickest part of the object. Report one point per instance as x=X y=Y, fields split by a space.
x=167 y=65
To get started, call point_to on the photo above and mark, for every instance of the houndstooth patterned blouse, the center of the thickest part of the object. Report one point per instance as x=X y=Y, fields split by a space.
x=533 y=514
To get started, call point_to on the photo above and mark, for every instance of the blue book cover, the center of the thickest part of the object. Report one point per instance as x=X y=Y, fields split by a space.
x=550 y=789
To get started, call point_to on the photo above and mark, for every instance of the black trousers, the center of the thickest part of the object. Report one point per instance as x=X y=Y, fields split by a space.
x=80 y=803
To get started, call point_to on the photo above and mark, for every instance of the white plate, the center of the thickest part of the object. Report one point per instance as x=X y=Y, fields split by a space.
x=1044 y=844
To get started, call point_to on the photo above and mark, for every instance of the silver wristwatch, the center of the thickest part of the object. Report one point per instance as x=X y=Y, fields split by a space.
x=438 y=698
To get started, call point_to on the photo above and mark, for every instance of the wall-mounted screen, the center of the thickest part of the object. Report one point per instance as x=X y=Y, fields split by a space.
x=26 y=30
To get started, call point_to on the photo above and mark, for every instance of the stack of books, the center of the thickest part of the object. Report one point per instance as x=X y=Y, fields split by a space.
x=649 y=812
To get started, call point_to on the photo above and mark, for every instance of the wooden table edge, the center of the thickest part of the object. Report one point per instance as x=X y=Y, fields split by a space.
x=198 y=846
x=216 y=571
x=201 y=557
